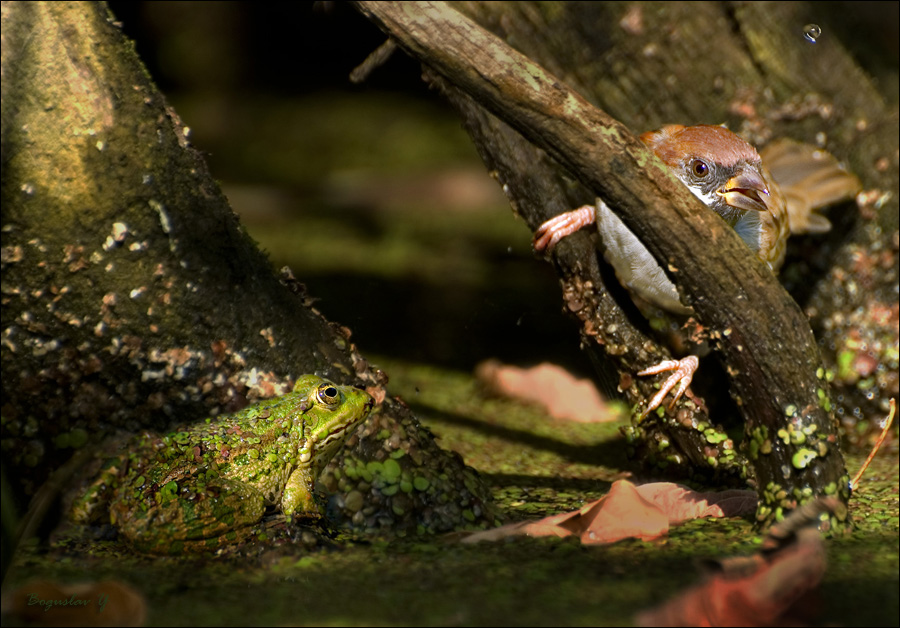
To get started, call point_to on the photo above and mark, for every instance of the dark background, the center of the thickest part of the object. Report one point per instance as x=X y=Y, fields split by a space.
x=372 y=193
x=382 y=168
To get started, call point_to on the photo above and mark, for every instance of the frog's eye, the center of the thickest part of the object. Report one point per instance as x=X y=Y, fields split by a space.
x=328 y=394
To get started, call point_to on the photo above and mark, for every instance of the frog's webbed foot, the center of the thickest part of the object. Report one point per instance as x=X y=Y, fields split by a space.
x=306 y=518
x=558 y=227
x=684 y=373
x=310 y=529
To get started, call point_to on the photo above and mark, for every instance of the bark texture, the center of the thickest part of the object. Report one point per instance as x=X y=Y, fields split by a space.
x=748 y=64
x=633 y=58
x=132 y=297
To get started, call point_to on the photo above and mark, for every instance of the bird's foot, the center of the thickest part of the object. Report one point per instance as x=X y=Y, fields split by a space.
x=684 y=373
x=558 y=227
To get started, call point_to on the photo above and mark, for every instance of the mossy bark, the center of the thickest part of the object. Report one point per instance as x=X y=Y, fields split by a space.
x=631 y=59
x=132 y=297
x=749 y=65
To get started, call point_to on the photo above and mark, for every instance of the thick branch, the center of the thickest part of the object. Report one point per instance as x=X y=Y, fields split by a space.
x=732 y=292
x=613 y=333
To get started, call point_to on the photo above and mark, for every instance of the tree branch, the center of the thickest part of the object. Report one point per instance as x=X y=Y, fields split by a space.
x=767 y=344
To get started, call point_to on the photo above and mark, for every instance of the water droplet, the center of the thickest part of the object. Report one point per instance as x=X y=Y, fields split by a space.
x=812 y=32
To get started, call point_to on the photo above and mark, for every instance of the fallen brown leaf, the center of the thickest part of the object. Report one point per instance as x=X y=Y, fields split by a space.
x=682 y=504
x=628 y=511
x=624 y=513
x=762 y=598
x=549 y=386
x=774 y=587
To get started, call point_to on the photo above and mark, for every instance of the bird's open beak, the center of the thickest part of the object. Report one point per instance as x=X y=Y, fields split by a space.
x=746 y=190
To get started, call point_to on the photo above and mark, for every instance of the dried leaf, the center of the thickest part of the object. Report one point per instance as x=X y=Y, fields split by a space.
x=773 y=587
x=549 y=386
x=624 y=513
x=642 y=512
x=682 y=504
x=772 y=595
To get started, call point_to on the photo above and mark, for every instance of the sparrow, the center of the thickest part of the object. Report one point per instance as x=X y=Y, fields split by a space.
x=738 y=184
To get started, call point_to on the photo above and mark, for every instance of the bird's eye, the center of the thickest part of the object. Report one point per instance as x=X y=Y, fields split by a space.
x=699 y=168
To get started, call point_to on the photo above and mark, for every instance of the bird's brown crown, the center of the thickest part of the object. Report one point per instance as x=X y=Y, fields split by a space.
x=714 y=143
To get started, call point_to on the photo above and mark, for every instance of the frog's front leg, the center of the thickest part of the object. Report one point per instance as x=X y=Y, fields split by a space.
x=172 y=519
x=298 y=500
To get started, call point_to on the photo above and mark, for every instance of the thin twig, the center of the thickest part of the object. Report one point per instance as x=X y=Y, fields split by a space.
x=377 y=58
x=887 y=425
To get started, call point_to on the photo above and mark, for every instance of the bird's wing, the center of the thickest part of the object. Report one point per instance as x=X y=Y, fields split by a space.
x=810 y=178
x=635 y=267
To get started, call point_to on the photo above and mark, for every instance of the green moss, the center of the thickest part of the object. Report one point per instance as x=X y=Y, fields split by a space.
x=537 y=466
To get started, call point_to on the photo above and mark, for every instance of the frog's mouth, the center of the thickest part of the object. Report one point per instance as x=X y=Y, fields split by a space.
x=324 y=448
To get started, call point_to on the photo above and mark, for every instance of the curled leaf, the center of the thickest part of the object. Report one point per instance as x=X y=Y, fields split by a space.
x=682 y=504
x=769 y=596
x=628 y=511
x=549 y=386
x=771 y=588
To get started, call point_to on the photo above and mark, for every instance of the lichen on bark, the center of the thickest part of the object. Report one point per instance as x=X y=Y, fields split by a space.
x=616 y=54
x=133 y=298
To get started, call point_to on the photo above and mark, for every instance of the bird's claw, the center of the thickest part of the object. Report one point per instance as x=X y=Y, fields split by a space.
x=558 y=227
x=684 y=373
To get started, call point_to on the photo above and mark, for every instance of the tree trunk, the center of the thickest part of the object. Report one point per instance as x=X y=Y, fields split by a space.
x=132 y=297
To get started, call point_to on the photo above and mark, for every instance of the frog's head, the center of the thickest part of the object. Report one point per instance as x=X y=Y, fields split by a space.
x=330 y=414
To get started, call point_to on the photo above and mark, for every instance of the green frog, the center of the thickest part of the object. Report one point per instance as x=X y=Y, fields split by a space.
x=207 y=484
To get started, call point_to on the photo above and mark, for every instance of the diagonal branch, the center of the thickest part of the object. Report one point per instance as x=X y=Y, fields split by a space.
x=766 y=342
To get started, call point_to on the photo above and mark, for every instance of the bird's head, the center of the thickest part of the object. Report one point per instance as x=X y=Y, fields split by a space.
x=720 y=168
